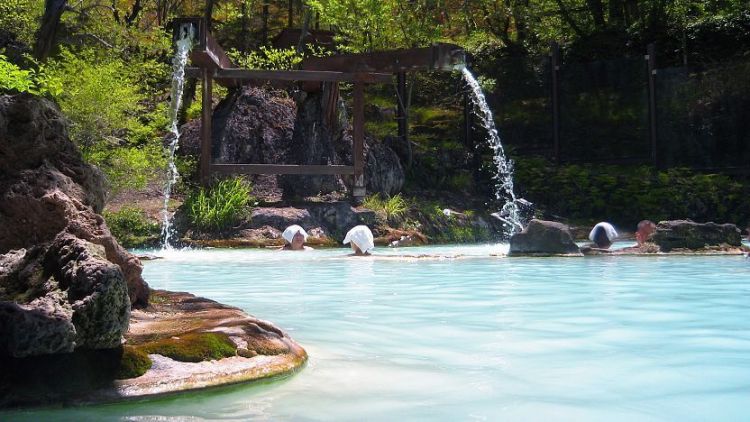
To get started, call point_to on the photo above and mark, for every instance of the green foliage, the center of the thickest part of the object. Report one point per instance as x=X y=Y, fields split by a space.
x=133 y=363
x=389 y=207
x=127 y=167
x=100 y=96
x=452 y=228
x=369 y=25
x=221 y=206
x=22 y=17
x=33 y=81
x=130 y=226
x=628 y=194
x=193 y=347
x=267 y=58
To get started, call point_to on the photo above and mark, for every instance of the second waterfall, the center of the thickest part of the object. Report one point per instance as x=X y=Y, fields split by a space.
x=510 y=213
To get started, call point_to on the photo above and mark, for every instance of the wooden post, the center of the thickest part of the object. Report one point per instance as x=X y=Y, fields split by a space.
x=264 y=28
x=651 y=60
x=359 y=138
x=402 y=114
x=555 y=73
x=206 y=114
x=290 y=19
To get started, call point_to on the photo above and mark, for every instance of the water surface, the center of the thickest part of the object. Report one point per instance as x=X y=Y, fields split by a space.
x=473 y=338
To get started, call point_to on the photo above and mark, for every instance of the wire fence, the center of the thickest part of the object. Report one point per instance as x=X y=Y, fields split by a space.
x=626 y=110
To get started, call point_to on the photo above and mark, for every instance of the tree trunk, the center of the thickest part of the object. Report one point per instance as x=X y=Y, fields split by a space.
x=303 y=31
x=45 y=36
x=133 y=15
x=597 y=12
x=616 y=12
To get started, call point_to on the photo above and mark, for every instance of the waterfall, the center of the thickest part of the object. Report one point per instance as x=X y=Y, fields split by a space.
x=184 y=45
x=510 y=213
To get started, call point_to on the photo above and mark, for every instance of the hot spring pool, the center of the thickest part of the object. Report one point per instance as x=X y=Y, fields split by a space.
x=475 y=338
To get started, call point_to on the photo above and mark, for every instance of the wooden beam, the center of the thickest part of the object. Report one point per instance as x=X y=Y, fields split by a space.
x=206 y=115
x=300 y=75
x=281 y=169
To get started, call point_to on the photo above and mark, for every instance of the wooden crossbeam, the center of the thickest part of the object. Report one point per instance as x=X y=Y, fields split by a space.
x=291 y=75
x=281 y=169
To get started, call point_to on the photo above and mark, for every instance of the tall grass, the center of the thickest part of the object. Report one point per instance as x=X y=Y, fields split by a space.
x=389 y=207
x=221 y=206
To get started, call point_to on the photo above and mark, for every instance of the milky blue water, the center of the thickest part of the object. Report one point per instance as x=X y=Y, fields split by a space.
x=473 y=338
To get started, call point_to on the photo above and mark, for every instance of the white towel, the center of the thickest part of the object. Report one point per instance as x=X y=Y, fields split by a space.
x=361 y=236
x=290 y=231
x=608 y=230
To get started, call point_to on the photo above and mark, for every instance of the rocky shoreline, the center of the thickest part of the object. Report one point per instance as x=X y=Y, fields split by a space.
x=70 y=295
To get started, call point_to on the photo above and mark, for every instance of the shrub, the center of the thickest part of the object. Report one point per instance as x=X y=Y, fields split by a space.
x=130 y=226
x=100 y=96
x=222 y=205
x=628 y=194
x=127 y=167
x=268 y=58
x=390 y=207
x=193 y=347
x=15 y=79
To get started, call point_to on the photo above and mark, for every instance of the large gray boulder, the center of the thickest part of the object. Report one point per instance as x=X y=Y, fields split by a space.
x=253 y=125
x=46 y=188
x=59 y=297
x=686 y=234
x=542 y=237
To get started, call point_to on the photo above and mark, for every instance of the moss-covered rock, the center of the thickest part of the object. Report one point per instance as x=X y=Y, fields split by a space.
x=133 y=364
x=193 y=347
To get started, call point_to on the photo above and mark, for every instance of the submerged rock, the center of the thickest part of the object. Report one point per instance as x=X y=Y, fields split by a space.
x=542 y=237
x=686 y=234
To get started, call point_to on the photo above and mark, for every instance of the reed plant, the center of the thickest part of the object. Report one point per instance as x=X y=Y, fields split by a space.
x=390 y=207
x=221 y=206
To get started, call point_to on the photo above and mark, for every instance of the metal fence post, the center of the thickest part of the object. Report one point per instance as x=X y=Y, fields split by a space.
x=651 y=60
x=554 y=70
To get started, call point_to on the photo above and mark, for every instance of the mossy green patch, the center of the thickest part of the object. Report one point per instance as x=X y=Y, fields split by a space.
x=193 y=347
x=133 y=363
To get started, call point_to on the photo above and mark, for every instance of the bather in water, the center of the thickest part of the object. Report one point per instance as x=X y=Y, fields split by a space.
x=294 y=239
x=361 y=240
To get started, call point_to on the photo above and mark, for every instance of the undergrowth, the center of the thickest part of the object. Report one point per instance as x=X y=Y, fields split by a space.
x=220 y=206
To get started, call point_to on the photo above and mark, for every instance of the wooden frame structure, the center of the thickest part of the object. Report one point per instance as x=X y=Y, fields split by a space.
x=212 y=64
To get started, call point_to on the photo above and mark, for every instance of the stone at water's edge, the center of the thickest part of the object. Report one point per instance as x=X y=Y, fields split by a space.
x=68 y=296
x=263 y=350
x=686 y=234
x=46 y=188
x=542 y=237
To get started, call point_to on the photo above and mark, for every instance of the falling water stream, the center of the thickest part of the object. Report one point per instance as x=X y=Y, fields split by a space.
x=184 y=45
x=509 y=213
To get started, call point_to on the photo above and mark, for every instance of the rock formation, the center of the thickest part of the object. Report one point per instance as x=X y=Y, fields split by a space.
x=46 y=188
x=253 y=125
x=59 y=297
x=542 y=237
x=686 y=234
x=65 y=282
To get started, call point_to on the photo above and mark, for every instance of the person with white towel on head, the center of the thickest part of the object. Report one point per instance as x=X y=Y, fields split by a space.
x=361 y=240
x=294 y=239
x=603 y=235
